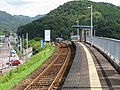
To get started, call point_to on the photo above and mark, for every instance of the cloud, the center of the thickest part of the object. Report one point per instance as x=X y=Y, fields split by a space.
x=17 y=2
x=34 y=7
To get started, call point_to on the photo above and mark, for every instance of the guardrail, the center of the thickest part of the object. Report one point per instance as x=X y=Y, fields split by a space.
x=109 y=46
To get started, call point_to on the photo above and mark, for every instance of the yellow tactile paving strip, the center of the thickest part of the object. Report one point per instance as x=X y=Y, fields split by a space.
x=93 y=75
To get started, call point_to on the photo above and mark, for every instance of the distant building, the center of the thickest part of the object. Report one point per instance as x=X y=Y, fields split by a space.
x=13 y=39
x=75 y=37
x=2 y=36
x=59 y=39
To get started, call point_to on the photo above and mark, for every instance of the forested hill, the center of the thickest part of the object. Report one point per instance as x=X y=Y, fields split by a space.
x=106 y=20
x=10 y=23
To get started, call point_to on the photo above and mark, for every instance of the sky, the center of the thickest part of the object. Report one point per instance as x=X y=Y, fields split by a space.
x=34 y=7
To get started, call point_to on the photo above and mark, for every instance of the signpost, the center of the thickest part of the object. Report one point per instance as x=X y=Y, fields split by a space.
x=47 y=35
x=41 y=43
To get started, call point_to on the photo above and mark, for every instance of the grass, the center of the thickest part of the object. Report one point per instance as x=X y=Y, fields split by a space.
x=15 y=76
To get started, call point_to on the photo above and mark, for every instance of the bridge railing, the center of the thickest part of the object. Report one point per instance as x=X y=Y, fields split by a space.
x=109 y=46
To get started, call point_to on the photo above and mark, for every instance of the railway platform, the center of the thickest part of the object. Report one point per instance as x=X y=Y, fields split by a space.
x=90 y=70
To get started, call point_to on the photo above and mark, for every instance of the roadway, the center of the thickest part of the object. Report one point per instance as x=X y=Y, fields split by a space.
x=91 y=71
x=5 y=55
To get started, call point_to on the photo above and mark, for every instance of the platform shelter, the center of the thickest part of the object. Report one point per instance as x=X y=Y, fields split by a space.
x=84 y=31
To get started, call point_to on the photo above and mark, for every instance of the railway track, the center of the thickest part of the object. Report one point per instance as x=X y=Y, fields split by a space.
x=51 y=76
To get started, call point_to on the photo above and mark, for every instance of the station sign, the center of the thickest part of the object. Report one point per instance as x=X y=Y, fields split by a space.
x=47 y=35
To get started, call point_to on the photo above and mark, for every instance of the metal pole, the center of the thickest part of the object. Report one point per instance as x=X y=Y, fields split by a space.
x=27 y=43
x=9 y=49
x=23 y=40
x=94 y=32
x=78 y=30
x=21 y=47
x=91 y=28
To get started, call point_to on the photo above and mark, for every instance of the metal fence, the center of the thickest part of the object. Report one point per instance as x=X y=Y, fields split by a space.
x=109 y=46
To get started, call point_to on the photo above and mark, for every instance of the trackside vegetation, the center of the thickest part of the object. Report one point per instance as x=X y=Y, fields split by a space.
x=13 y=77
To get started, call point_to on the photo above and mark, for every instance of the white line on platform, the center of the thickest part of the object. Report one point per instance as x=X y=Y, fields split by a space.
x=93 y=75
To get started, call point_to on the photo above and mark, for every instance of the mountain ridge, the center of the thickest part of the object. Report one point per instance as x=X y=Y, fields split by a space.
x=10 y=23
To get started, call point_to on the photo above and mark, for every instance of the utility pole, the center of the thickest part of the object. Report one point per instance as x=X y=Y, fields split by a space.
x=21 y=47
x=78 y=30
x=23 y=40
x=91 y=26
x=9 y=49
x=27 y=43
x=94 y=32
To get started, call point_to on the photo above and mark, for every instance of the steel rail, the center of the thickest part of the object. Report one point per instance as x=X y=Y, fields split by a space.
x=42 y=74
x=60 y=72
